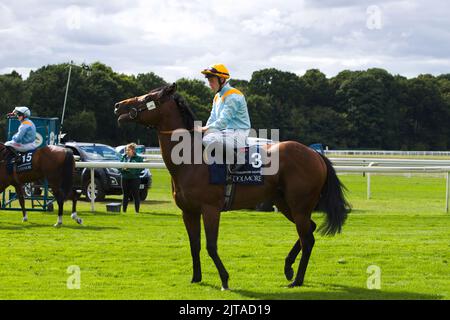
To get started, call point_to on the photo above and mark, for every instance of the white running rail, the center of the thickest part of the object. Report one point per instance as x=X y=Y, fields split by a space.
x=358 y=169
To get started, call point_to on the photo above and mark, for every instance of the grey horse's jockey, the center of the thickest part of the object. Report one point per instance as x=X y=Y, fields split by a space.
x=24 y=139
x=228 y=125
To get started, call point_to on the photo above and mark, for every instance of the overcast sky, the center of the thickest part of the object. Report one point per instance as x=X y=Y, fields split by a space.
x=177 y=38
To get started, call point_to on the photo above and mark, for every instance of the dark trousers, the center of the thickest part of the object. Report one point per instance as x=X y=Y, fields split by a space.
x=130 y=188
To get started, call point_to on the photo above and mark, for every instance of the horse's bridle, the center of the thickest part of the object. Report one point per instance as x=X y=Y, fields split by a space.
x=150 y=105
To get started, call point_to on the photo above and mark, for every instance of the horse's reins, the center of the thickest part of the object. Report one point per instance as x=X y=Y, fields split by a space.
x=3 y=148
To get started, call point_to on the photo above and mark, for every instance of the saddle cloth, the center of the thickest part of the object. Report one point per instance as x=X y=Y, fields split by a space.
x=25 y=163
x=248 y=174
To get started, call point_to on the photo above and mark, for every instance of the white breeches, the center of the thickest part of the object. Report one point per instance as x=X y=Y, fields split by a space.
x=21 y=147
x=226 y=139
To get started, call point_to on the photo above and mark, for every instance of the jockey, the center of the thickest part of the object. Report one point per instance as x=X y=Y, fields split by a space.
x=229 y=122
x=24 y=139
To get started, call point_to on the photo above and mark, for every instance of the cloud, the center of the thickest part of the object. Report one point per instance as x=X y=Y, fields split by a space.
x=178 y=38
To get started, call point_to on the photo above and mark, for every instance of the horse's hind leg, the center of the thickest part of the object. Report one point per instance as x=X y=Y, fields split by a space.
x=292 y=256
x=305 y=228
x=290 y=259
x=74 y=214
x=283 y=207
x=60 y=200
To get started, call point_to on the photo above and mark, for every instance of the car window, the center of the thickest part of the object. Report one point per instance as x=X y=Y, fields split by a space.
x=97 y=152
x=75 y=151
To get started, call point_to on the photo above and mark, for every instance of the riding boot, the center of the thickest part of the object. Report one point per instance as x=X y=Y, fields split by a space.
x=16 y=156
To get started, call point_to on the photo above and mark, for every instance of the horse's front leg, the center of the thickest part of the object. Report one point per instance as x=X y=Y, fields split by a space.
x=211 y=219
x=19 y=192
x=192 y=223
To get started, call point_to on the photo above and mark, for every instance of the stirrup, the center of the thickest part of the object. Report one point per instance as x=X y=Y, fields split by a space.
x=15 y=155
x=236 y=167
x=16 y=160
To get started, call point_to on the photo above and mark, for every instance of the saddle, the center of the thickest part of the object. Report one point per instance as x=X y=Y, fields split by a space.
x=248 y=173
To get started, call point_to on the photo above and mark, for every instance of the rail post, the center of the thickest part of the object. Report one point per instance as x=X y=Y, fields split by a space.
x=447 y=191
x=368 y=180
x=92 y=189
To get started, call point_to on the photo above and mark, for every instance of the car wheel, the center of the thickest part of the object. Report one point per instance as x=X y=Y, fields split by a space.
x=37 y=191
x=98 y=189
x=28 y=189
x=143 y=194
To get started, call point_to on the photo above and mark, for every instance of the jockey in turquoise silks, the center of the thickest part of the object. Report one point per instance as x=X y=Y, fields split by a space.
x=228 y=125
x=24 y=139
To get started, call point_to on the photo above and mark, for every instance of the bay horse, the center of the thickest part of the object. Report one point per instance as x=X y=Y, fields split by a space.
x=305 y=181
x=54 y=163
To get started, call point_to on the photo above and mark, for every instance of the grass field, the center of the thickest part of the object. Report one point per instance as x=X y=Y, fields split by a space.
x=403 y=230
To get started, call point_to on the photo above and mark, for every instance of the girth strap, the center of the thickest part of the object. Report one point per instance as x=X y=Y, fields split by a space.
x=230 y=189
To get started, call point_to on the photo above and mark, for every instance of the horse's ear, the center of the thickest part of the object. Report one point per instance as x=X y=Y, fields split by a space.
x=171 y=89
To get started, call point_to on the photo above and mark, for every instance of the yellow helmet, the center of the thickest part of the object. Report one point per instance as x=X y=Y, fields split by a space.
x=218 y=70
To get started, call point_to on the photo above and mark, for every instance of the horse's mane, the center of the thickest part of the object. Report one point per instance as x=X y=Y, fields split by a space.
x=186 y=112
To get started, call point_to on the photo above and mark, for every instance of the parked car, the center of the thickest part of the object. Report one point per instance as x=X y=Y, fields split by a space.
x=107 y=180
x=317 y=147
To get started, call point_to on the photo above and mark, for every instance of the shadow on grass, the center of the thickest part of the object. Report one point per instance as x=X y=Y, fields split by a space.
x=333 y=292
x=22 y=225
x=155 y=202
x=130 y=213
x=358 y=211
x=87 y=214
x=161 y=214
x=68 y=225
x=90 y=228
x=106 y=201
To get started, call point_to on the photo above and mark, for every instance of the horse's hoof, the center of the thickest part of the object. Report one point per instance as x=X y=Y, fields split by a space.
x=225 y=289
x=80 y=221
x=57 y=225
x=196 y=280
x=295 y=284
x=289 y=273
x=24 y=219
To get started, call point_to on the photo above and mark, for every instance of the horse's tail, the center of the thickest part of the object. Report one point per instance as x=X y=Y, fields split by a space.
x=332 y=202
x=67 y=174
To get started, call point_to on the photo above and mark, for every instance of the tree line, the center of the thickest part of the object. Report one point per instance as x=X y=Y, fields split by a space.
x=370 y=109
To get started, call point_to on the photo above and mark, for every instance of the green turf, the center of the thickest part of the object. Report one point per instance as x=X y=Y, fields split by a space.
x=403 y=230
